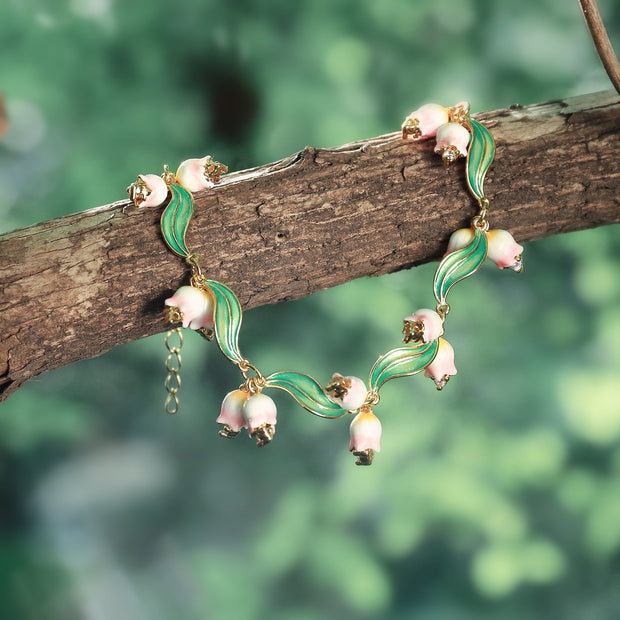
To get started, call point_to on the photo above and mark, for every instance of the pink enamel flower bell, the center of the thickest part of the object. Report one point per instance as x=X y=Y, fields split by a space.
x=150 y=190
x=199 y=173
x=365 y=431
x=442 y=367
x=231 y=413
x=192 y=306
x=452 y=141
x=348 y=392
x=504 y=251
x=423 y=325
x=424 y=122
x=191 y=174
x=259 y=413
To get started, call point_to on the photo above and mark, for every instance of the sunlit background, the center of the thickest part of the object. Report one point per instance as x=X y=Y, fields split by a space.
x=497 y=498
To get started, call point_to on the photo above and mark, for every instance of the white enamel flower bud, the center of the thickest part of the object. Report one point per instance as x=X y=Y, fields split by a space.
x=191 y=174
x=259 y=412
x=231 y=413
x=195 y=306
x=452 y=141
x=460 y=239
x=348 y=392
x=442 y=367
x=157 y=188
x=424 y=122
x=365 y=431
x=432 y=325
x=149 y=190
x=504 y=251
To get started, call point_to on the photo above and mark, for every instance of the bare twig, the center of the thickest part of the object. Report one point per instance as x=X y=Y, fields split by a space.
x=601 y=41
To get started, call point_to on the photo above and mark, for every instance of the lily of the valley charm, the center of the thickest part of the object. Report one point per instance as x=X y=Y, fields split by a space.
x=365 y=431
x=212 y=309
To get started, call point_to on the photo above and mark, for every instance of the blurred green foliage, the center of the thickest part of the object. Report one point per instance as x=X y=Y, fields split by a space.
x=497 y=498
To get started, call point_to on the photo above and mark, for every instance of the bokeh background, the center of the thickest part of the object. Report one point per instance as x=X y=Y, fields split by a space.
x=496 y=498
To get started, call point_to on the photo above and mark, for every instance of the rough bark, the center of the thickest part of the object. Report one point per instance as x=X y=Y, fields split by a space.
x=74 y=287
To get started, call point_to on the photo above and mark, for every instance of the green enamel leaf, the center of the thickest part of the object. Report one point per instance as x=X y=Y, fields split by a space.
x=227 y=320
x=459 y=265
x=479 y=157
x=175 y=219
x=402 y=362
x=307 y=391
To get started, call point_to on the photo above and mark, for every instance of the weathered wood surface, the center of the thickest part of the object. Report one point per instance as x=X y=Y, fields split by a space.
x=74 y=287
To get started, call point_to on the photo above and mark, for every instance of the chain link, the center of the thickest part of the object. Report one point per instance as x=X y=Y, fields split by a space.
x=254 y=380
x=173 y=366
x=480 y=221
x=443 y=310
x=198 y=278
x=372 y=398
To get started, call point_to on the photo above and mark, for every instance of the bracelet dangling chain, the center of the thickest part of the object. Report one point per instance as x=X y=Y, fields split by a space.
x=213 y=310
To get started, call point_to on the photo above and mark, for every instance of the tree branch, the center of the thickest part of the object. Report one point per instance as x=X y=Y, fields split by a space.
x=77 y=286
